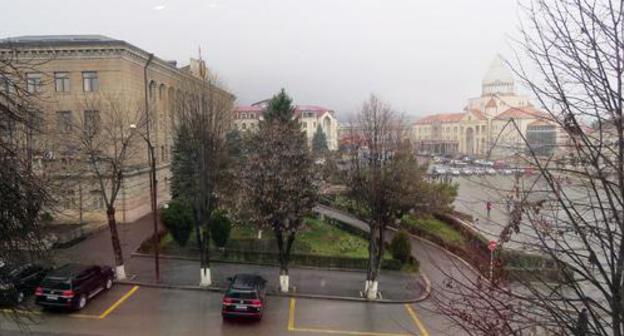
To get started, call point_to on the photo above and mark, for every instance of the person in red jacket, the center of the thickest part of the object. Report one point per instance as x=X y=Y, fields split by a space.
x=488 y=207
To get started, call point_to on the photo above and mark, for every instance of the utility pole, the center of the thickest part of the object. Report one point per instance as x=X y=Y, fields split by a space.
x=153 y=181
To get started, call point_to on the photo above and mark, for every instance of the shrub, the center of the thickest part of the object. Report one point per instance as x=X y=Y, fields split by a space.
x=178 y=220
x=401 y=247
x=46 y=218
x=433 y=227
x=220 y=228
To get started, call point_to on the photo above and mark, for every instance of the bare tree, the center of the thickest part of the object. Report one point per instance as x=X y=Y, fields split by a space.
x=572 y=212
x=24 y=189
x=102 y=145
x=373 y=176
x=203 y=118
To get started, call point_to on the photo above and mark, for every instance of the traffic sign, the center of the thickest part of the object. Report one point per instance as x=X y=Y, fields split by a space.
x=492 y=245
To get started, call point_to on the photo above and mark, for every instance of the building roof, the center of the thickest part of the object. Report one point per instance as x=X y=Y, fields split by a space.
x=526 y=112
x=57 y=38
x=441 y=118
x=477 y=113
x=318 y=110
x=498 y=72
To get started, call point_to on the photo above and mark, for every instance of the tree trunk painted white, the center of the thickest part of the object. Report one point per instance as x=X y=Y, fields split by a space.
x=366 y=285
x=205 y=279
x=371 y=294
x=120 y=272
x=259 y=234
x=283 y=279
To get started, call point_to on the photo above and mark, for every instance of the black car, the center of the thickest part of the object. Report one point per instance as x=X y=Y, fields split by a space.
x=72 y=285
x=245 y=297
x=18 y=281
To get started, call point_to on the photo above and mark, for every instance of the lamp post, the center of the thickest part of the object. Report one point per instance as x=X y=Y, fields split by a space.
x=153 y=199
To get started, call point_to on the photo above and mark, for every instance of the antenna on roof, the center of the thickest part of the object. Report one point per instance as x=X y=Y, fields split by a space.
x=202 y=65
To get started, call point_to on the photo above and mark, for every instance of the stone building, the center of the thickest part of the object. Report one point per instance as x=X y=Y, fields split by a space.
x=484 y=125
x=246 y=118
x=70 y=75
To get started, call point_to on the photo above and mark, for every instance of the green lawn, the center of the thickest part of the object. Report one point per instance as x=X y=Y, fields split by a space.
x=434 y=227
x=315 y=237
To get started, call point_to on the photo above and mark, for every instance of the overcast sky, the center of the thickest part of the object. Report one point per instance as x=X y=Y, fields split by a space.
x=421 y=56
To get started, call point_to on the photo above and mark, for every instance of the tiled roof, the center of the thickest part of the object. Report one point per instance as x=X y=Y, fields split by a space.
x=526 y=112
x=442 y=118
x=248 y=108
x=477 y=113
x=318 y=110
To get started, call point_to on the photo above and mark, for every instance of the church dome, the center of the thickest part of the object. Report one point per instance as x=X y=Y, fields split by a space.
x=498 y=78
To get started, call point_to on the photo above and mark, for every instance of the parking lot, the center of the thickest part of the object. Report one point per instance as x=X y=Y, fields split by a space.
x=131 y=310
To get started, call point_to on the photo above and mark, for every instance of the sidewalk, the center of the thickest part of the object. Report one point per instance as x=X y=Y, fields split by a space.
x=394 y=286
x=97 y=249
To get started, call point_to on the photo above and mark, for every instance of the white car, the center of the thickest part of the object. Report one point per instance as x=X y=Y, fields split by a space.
x=454 y=171
x=467 y=171
x=490 y=171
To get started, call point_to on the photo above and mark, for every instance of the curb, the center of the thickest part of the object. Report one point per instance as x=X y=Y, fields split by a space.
x=421 y=298
x=174 y=257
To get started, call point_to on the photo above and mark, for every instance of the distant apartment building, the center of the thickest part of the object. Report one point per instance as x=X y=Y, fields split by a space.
x=246 y=118
x=68 y=70
x=484 y=125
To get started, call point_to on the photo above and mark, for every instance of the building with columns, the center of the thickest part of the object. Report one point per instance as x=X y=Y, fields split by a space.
x=485 y=125
x=246 y=118
x=69 y=74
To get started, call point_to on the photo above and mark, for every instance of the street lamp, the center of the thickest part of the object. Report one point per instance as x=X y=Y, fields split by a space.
x=153 y=199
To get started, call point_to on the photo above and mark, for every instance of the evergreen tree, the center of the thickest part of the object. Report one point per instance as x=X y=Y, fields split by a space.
x=280 y=109
x=182 y=171
x=277 y=179
x=319 y=141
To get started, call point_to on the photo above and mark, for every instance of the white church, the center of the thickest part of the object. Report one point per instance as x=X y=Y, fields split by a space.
x=484 y=127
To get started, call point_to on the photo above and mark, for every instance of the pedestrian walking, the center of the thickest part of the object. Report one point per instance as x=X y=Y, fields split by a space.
x=488 y=207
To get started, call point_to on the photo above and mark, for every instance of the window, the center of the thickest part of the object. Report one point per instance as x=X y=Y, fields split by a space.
x=304 y=124
x=61 y=81
x=162 y=153
x=244 y=115
x=6 y=85
x=244 y=126
x=91 y=121
x=39 y=121
x=89 y=81
x=64 y=121
x=34 y=82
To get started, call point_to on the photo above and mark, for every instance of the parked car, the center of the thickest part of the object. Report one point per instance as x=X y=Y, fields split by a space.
x=438 y=170
x=505 y=171
x=454 y=171
x=72 y=285
x=490 y=171
x=479 y=171
x=18 y=281
x=245 y=297
x=467 y=171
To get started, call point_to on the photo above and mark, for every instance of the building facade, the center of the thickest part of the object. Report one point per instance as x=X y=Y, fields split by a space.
x=484 y=127
x=73 y=75
x=247 y=117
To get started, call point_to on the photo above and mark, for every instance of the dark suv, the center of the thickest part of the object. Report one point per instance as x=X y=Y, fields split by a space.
x=17 y=281
x=72 y=285
x=245 y=297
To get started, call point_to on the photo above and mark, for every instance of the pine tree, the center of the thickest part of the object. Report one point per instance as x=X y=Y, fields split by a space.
x=319 y=141
x=280 y=109
x=182 y=171
x=277 y=178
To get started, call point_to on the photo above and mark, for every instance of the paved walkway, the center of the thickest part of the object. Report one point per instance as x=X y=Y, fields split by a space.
x=98 y=249
x=175 y=272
